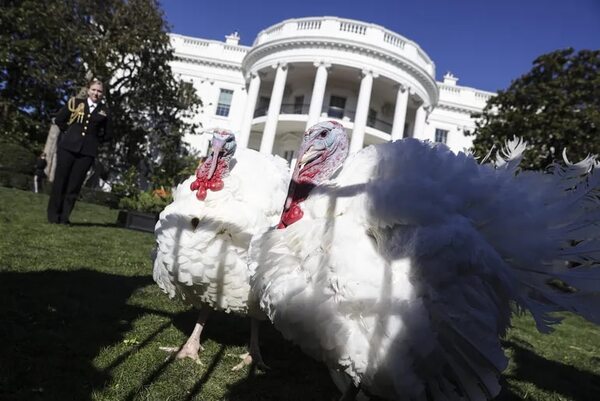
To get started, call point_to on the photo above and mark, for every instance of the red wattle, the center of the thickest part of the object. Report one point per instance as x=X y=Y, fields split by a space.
x=292 y=215
x=195 y=185
x=295 y=214
x=216 y=185
x=201 y=194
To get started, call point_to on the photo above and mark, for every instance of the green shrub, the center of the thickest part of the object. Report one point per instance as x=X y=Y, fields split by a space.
x=149 y=202
x=13 y=179
x=127 y=187
x=16 y=158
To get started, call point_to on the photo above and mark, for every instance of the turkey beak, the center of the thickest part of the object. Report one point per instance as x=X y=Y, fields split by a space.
x=217 y=146
x=305 y=156
x=310 y=155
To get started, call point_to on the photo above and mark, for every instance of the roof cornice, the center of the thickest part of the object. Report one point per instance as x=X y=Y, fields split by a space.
x=271 y=47
x=458 y=108
x=207 y=61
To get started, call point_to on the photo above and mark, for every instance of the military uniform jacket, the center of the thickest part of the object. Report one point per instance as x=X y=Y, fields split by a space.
x=82 y=131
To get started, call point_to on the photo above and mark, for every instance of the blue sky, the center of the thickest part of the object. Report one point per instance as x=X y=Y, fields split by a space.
x=486 y=43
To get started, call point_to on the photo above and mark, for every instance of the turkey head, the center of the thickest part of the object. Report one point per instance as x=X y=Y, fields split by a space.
x=323 y=150
x=209 y=176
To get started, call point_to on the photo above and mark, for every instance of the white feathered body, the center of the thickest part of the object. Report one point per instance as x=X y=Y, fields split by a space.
x=405 y=267
x=201 y=250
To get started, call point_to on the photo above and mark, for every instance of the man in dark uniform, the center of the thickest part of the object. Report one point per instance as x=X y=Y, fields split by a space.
x=84 y=123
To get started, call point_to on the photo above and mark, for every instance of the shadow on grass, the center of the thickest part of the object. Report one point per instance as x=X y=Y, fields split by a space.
x=292 y=375
x=54 y=324
x=224 y=328
x=553 y=377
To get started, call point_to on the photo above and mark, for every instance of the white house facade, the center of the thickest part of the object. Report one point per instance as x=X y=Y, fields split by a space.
x=378 y=84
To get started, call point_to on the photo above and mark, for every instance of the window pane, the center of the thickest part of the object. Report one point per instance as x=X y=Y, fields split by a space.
x=337 y=101
x=224 y=102
x=225 y=96
x=298 y=103
x=336 y=107
x=371 y=118
x=441 y=135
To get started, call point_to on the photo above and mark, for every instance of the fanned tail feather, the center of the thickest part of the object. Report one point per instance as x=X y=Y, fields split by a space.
x=570 y=280
x=510 y=155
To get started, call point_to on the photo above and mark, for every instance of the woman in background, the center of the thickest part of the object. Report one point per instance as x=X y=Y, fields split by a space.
x=85 y=123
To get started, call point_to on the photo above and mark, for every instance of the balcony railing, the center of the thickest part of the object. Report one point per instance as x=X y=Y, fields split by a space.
x=340 y=113
x=335 y=112
x=261 y=111
x=293 y=108
x=332 y=111
x=379 y=125
x=286 y=108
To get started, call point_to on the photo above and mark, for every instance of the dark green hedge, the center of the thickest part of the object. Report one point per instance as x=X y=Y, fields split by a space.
x=13 y=179
x=16 y=158
x=17 y=165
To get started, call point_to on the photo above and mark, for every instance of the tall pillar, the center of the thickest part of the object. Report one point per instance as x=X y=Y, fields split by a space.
x=253 y=89
x=400 y=112
x=420 y=116
x=362 y=111
x=318 y=93
x=268 y=137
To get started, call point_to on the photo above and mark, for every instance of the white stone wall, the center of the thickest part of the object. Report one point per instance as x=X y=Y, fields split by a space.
x=211 y=66
x=347 y=47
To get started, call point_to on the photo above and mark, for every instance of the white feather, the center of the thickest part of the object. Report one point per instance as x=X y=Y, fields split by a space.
x=208 y=264
x=403 y=270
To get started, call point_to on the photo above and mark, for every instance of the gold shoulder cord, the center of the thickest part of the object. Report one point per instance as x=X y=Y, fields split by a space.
x=76 y=113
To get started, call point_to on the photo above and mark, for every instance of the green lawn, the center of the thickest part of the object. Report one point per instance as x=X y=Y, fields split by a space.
x=81 y=319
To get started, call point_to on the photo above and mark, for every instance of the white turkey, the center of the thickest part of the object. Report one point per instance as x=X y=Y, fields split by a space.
x=202 y=237
x=403 y=271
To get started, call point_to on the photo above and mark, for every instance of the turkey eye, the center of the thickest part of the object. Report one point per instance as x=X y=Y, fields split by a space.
x=195 y=222
x=323 y=134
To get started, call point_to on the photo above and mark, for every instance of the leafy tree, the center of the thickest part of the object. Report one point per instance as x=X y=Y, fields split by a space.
x=554 y=106
x=38 y=62
x=47 y=48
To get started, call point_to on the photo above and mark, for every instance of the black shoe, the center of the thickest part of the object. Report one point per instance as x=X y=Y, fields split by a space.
x=65 y=223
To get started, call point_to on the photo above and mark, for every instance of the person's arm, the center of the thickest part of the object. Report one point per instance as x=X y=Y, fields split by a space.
x=61 y=117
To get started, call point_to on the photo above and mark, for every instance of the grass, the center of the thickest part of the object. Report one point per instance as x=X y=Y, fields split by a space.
x=81 y=319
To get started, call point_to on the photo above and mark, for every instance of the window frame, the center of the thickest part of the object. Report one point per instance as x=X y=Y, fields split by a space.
x=441 y=135
x=223 y=109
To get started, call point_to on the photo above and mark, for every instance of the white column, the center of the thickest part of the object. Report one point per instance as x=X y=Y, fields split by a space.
x=400 y=112
x=420 y=116
x=362 y=111
x=253 y=89
x=318 y=93
x=268 y=137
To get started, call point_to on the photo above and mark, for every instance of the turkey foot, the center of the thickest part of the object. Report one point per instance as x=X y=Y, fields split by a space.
x=253 y=357
x=248 y=360
x=188 y=350
x=192 y=346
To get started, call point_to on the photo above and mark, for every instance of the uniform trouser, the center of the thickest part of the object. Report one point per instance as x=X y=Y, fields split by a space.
x=71 y=169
